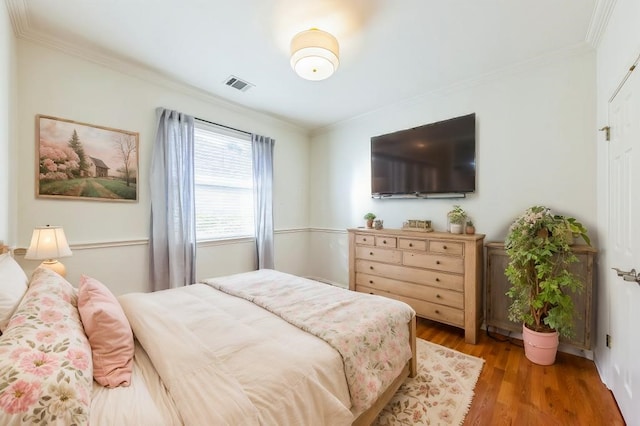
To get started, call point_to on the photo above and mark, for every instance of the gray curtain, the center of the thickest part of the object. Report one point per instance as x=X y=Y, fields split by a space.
x=263 y=201
x=173 y=231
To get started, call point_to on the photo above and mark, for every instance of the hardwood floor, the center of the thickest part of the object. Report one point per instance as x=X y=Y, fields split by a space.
x=512 y=390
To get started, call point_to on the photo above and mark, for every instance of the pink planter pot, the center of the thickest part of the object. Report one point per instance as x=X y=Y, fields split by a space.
x=540 y=348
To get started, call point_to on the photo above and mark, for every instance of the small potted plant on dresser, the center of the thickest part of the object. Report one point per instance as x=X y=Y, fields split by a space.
x=538 y=246
x=470 y=229
x=369 y=217
x=457 y=218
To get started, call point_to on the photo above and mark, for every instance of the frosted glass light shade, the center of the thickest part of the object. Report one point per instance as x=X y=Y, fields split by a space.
x=314 y=54
x=48 y=242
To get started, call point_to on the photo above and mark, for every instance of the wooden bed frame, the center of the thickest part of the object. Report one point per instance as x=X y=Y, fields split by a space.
x=409 y=370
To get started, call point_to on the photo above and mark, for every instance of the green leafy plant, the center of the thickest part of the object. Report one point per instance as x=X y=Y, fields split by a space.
x=457 y=215
x=469 y=223
x=538 y=246
x=369 y=216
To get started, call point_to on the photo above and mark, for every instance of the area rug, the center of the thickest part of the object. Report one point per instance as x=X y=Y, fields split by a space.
x=440 y=394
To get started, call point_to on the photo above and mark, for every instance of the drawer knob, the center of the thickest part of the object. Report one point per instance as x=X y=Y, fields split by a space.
x=437 y=280
x=437 y=262
x=444 y=247
x=370 y=293
x=437 y=312
x=371 y=253
x=438 y=296
x=384 y=241
x=410 y=244
x=370 y=281
x=370 y=267
x=364 y=239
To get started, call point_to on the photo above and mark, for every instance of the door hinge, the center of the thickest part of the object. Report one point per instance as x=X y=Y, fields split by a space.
x=607 y=130
x=608 y=341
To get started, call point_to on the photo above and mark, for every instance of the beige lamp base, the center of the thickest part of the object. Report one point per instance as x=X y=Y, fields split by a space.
x=55 y=266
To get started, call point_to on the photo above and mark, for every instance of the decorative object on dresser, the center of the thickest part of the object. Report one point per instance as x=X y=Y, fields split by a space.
x=456 y=217
x=470 y=229
x=49 y=243
x=369 y=217
x=539 y=248
x=378 y=224
x=417 y=225
x=439 y=274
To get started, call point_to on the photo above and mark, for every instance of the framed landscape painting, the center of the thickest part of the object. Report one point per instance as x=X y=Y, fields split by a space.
x=85 y=162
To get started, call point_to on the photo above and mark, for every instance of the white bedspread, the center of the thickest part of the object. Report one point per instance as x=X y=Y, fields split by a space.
x=210 y=349
x=370 y=332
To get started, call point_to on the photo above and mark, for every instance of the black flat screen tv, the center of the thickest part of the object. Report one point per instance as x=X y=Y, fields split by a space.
x=437 y=158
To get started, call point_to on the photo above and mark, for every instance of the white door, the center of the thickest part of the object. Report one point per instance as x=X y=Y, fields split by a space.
x=624 y=247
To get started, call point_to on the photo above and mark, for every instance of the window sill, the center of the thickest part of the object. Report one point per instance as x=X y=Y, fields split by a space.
x=224 y=241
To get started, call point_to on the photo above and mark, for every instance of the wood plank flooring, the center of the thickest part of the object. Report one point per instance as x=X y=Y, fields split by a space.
x=512 y=390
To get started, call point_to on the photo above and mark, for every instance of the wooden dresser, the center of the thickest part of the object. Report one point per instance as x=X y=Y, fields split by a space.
x=498 y=302
x=439 y=274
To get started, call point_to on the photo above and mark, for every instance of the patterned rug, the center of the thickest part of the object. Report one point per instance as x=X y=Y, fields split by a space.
x=440 y=394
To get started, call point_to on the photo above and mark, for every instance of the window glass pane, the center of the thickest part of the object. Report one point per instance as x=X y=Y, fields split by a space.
x=223 y=183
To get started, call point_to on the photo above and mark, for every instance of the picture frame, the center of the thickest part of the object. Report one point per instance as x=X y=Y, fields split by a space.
x=80 y=161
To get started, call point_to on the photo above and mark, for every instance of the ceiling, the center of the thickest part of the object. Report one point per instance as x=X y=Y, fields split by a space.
x=390 y=50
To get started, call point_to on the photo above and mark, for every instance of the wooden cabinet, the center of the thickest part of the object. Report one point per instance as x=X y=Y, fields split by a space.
x=498 y=302
x=439 y=274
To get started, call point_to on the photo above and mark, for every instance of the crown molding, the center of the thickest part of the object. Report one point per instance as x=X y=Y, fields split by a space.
x=599 y=21
x=19 y=15
x=556 y=56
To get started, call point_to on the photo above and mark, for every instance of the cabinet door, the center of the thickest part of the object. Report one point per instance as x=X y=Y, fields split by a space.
x=498 y=302
x=497 y=286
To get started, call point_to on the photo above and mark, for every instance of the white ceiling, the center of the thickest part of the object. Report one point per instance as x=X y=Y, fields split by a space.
x=390 y=50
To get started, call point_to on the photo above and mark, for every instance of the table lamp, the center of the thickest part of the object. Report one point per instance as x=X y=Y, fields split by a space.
x=49 y=243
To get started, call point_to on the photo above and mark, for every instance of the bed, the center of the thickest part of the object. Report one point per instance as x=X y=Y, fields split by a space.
x=262 y=347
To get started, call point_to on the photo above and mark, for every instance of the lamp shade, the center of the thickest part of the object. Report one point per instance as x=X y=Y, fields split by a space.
x=314 y=54
x=48 y=242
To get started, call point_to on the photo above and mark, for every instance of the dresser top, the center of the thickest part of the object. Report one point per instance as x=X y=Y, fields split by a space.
x=419 y=234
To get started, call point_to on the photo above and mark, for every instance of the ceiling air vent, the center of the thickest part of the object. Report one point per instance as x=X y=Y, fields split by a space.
x=237 y=83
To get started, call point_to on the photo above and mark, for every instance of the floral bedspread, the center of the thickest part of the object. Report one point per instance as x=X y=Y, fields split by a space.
x=46 y=370
x=370 y=332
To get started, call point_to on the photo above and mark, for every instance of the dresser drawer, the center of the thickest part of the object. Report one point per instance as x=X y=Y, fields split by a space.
x=434 y=261
x=447 y=247
x=408 y=244
x=379 y=254
x=423 y=309
x=365 y=240
x=455 y=299
x=386 y=242
x=413 y=275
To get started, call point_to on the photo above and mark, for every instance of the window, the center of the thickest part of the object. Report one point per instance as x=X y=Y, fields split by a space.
x=223 y=183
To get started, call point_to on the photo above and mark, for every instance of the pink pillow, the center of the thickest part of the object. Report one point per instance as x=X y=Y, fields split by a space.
x=108 y=331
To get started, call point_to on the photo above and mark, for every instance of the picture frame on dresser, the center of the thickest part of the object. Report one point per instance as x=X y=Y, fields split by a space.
x=438 y=274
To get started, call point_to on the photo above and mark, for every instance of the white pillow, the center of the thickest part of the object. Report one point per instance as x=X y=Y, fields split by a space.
x=13 y=285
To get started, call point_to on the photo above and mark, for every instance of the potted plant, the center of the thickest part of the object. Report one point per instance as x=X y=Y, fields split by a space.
x=457 y=218
x=470 y=228
x=369 y=217
x=539 y=253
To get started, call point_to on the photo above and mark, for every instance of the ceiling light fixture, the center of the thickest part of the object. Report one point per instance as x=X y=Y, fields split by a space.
x=314 y=54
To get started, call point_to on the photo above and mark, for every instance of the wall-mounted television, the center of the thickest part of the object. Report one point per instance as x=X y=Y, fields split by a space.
x=437 y=159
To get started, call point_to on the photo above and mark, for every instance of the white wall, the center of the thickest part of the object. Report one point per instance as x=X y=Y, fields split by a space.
x=109 y=239
x=7 y=115
x=619 y=46
x=535 y=145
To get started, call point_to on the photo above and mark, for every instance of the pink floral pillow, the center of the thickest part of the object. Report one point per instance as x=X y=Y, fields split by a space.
x=45 y=357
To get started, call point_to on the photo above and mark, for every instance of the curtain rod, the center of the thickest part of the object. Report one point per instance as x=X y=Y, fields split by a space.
x=222 y=125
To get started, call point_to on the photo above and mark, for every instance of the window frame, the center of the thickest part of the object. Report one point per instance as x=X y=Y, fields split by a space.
x=239 y=136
